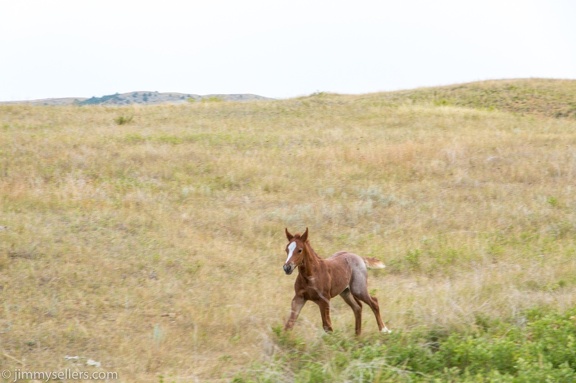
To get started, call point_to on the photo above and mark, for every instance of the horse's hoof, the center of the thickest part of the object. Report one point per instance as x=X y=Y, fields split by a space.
x=385 y=330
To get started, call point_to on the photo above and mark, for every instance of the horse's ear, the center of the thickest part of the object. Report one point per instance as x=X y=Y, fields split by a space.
x=304 y=236
x=288 y=235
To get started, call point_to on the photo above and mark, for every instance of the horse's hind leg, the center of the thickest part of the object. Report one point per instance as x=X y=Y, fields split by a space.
x=360 y=292
x=373 y=303
x=356 y=308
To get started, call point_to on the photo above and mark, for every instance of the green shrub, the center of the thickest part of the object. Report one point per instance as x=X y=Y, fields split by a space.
x=122 y=120
x=540 y=351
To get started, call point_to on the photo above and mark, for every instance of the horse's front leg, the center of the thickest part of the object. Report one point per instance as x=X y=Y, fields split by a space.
x=324 y=305
x=297 y=304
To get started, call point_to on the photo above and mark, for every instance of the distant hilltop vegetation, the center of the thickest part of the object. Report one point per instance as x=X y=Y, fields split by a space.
x=538 y=97
x=145 y=98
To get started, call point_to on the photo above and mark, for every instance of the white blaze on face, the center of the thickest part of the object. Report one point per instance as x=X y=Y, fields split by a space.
x=291 y=248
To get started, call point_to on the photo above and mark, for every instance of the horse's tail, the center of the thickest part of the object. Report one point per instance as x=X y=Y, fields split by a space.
x=373 y=263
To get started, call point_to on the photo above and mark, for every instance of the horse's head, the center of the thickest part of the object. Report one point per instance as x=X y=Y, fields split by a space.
x=295 y=250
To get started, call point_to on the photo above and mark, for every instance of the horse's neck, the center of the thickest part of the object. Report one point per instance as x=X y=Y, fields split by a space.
x=311 y=261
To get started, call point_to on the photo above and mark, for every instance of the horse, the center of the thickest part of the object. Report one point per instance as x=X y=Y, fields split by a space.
x=319 y=280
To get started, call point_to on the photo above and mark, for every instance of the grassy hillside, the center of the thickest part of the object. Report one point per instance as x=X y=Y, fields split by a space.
x=155 y=246
x=541 y=97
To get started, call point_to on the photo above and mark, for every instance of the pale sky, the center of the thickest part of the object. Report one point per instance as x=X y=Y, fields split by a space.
x=273 y=48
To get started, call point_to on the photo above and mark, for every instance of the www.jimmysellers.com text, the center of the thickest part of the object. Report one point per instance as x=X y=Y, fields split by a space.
x=66 y=374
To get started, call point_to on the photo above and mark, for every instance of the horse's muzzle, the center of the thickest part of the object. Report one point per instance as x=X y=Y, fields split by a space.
x=288 y=269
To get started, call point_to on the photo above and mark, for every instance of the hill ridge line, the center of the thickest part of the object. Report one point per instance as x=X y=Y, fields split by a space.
x=139 y=97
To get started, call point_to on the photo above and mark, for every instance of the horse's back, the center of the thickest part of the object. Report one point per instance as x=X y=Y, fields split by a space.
x=353 y=261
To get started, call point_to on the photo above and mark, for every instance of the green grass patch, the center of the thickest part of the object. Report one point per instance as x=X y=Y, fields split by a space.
x=536 y=346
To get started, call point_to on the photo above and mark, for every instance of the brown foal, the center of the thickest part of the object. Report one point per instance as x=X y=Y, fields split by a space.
x=319 y=280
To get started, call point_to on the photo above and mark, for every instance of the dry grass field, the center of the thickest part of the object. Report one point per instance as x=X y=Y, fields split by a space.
x=150 y=239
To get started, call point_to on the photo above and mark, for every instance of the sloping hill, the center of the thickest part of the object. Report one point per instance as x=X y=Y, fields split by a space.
x=155 y=246
x=542 y=97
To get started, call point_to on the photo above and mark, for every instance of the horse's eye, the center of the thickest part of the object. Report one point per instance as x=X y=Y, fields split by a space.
x=299 y=250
